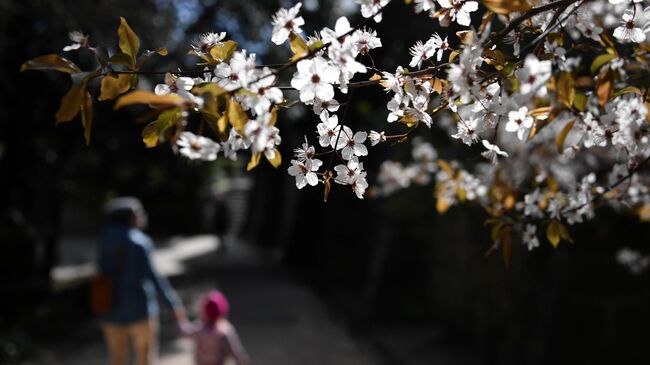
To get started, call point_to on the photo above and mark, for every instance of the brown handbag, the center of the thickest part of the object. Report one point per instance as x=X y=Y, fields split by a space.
x=102 y=291
x=102 y=288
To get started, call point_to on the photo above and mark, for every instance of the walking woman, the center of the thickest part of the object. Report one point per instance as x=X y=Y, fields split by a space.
x=125 y=256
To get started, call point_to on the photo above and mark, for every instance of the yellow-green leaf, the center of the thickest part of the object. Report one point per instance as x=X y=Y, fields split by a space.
x=561 y=137
x=298 y=46
x=154 y=133
x=50 y=62
x=564 y=233
x=600 y=61
x=236 y=116
x=580 y=101
x=129 y=42
x=629 y=89
x=446 y=167
x=507 y=6
x=328 y=186
x=222 y=52
x=605 y=86
x=316 y=46
x=608 y=42
x=212 y=89
x=150 y=135
x=87 y=115
x=566 y=91
x=70 y=104
x=453 y=55
x=276 y=161
x=274 y=116
x=120 y=58
x=112 y=86
x=553 y=232
x=147 y=97
x=442 y=205
x=255 y=160
x=222 y=123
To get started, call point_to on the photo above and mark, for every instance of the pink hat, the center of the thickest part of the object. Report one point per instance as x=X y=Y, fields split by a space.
x=215 y=306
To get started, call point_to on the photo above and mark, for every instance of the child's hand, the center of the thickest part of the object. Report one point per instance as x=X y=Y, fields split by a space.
x=180 y=315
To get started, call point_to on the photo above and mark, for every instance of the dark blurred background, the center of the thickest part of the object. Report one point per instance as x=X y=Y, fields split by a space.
x=412 y=285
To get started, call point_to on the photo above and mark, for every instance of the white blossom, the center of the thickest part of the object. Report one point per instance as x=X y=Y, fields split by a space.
x=529 y=237
x=376 y=137
x=304 y=172
x=285 y=22
x=458 y=10
x=314 y=79
x=493 y=151
x=207 y=41
x=352 y=145
x=197 y=147
x=519 y=122
x=328 y=130
x=627 y=31
x=371 y=7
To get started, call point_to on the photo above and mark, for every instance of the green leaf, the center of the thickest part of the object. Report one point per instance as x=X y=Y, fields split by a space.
x=601 y=60
x=129 y=42
x=50 y=62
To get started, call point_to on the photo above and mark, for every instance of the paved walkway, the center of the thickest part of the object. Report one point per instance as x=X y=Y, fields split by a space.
x=279 y=321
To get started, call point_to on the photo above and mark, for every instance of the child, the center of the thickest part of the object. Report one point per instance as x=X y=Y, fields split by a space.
x=215 y=338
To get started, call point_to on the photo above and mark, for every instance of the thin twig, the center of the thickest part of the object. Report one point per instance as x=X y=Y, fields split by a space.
x=529 y=14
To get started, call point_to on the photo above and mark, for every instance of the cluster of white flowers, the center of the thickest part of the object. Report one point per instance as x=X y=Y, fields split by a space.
x=543 y=127
x=633 y=260
x=238 y=73
x=424 y=170
x=316 y=79
x=450 y=10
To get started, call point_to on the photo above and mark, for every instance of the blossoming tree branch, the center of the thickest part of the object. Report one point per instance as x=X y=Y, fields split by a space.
x=555 y=93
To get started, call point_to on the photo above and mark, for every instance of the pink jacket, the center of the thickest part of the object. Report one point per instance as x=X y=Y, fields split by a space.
x=215 y=344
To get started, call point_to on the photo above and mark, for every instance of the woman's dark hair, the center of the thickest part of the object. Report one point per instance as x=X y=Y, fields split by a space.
x=121 y=210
